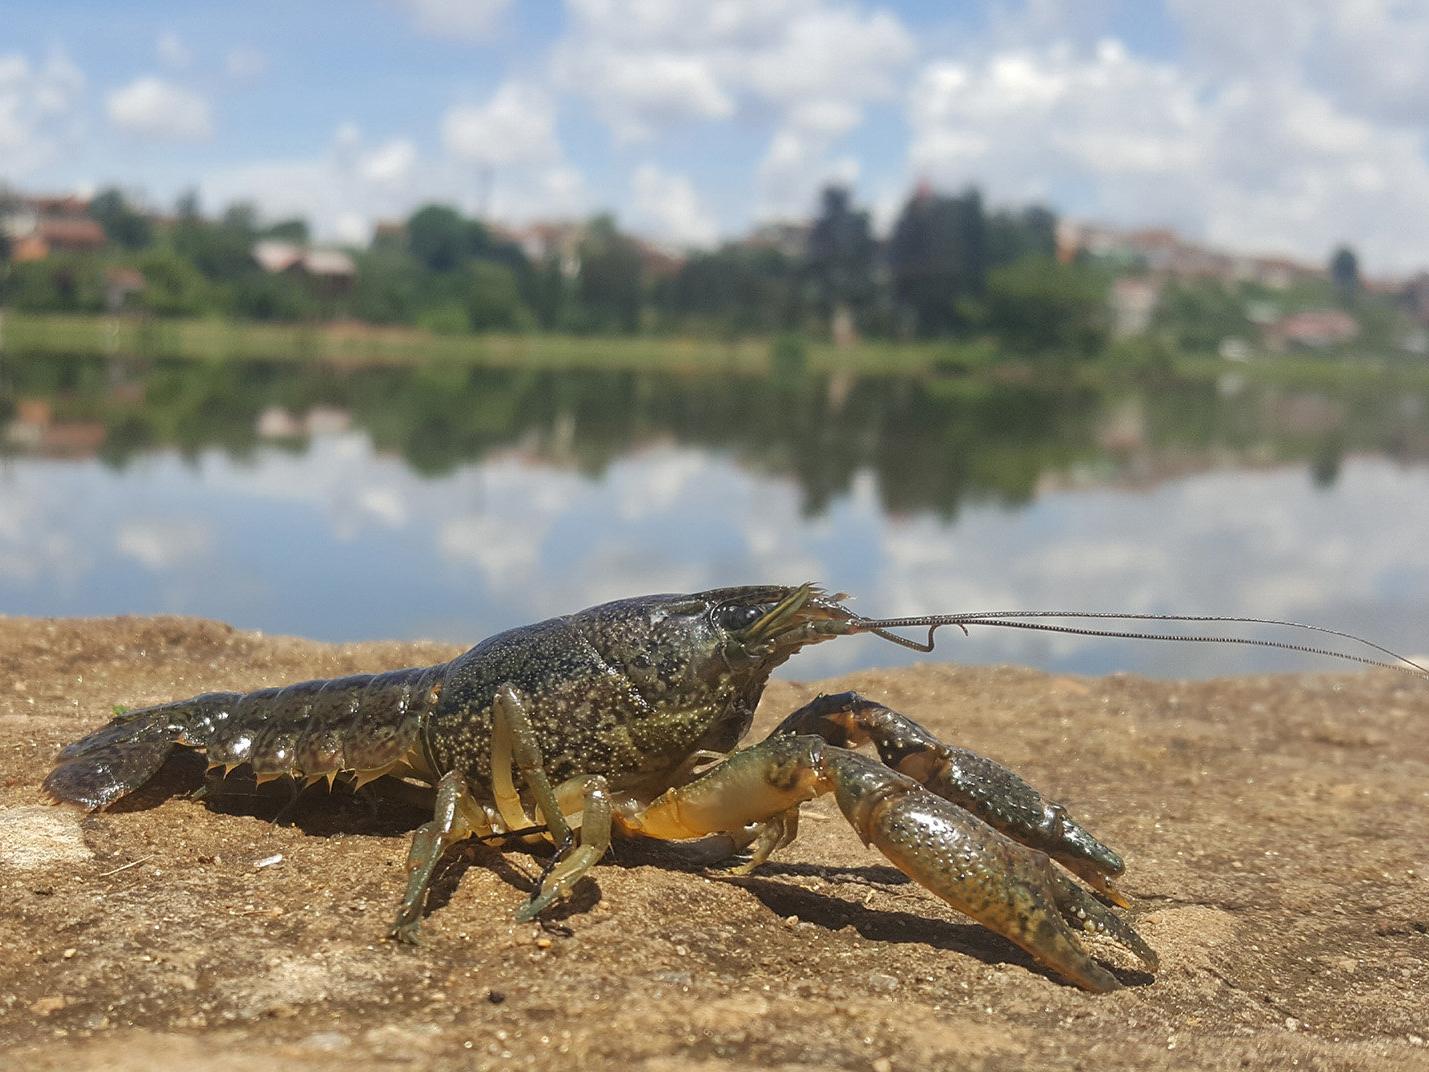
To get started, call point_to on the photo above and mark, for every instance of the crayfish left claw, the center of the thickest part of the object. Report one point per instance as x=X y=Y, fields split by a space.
x=1007 y=887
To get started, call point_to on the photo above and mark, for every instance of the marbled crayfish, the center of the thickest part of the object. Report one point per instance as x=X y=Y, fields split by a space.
x=624 y=718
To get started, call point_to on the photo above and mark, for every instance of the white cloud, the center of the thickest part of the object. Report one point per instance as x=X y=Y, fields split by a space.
x=172 y=51
x=667 y=204
x=512 y=137
x=1267 y=163
x=39 y=111
x=516 y=126
x=344 y=189
x=646 y=65
x=639 y=95
x=390 y=164
x=830 y=54
x=163 y=545
x=465 y=20
x=1365 y=55
x=150 y=107
x=796 y=165
x=340 y=191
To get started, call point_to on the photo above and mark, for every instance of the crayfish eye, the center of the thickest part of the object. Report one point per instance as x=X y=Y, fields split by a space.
x=736 y=618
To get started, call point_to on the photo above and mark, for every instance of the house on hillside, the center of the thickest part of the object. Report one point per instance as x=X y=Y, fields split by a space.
x=548 y=240
x=1133 y=301
x=1161 y=252
x=331 y=269
x=1313 y=329
x=78 y=234
x=37 y=227
x=789 y=239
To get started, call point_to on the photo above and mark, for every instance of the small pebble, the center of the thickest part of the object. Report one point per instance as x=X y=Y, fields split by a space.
x=268 y=861
x=882 y=1064
x=69 y=953
x=496 y=997
x=543 y=942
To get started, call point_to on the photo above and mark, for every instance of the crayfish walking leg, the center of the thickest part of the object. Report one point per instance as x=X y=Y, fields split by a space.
x=457 y=817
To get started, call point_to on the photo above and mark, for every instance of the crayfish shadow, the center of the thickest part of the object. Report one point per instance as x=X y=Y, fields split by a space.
x=500 y=858
x=894 y=927
x=314 y=810
x=180 y=775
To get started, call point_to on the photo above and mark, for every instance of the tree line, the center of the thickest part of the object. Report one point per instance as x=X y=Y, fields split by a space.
x=950 y=268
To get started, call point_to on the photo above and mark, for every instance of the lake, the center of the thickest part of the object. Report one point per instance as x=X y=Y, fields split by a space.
x=449 y=502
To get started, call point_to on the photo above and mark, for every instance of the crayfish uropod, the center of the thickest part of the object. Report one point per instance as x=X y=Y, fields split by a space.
x=623 y=718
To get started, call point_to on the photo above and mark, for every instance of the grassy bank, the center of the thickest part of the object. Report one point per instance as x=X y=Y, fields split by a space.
x=363 y=344
x=360 y=344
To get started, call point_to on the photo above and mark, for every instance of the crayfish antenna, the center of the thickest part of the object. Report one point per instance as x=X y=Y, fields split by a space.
x=1017 y=619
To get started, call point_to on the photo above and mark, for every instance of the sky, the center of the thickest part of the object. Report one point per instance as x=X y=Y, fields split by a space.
x=1249 y=124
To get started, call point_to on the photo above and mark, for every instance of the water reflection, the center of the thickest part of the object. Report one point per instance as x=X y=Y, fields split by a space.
x=451 y=502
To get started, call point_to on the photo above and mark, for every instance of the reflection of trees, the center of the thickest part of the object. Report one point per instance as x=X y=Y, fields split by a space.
x=932 y=444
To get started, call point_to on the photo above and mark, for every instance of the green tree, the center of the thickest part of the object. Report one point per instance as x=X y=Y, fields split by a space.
x=439 y=237
x=610 y=284
x=1345 y=274
x=242 y=217
x=549 y=293
x=938 y=259
x=733 y=291
x=222 y=251
x=493 y=300
x=388 y=288
x=172 y=285
x=65 y=282
x=1014 y=234
x=294 y=230
x=123 y=223
x=260 y=296
x=8 y=202
x=840 y=255
x=1198 y=315
x=1042 y=306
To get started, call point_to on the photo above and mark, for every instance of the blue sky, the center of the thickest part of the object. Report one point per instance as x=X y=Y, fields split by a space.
x=1247 y=123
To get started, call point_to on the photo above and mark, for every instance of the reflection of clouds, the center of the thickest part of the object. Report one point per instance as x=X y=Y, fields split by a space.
x=665 y=476
x=1262 y=543
x=342 y=542
x=163 y=544
x=339 y=474
x=518 y=501
x=37 y=543
x=507 y=552
x=383 y=504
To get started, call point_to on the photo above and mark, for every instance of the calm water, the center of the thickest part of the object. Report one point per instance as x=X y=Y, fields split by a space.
x=451 y=503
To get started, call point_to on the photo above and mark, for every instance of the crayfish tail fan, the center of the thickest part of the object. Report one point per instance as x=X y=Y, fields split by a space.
x=117 y=759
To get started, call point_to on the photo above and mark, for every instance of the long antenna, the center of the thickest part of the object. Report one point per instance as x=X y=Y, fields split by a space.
x=1016 y=619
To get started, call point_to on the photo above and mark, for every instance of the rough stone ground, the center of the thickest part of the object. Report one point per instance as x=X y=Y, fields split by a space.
x=1274 y=828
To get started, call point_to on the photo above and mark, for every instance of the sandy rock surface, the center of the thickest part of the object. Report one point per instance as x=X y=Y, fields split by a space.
x=1274 y=827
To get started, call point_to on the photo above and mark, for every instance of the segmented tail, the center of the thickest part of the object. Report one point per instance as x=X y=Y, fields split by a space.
x=117 y=759
x=366 y=724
